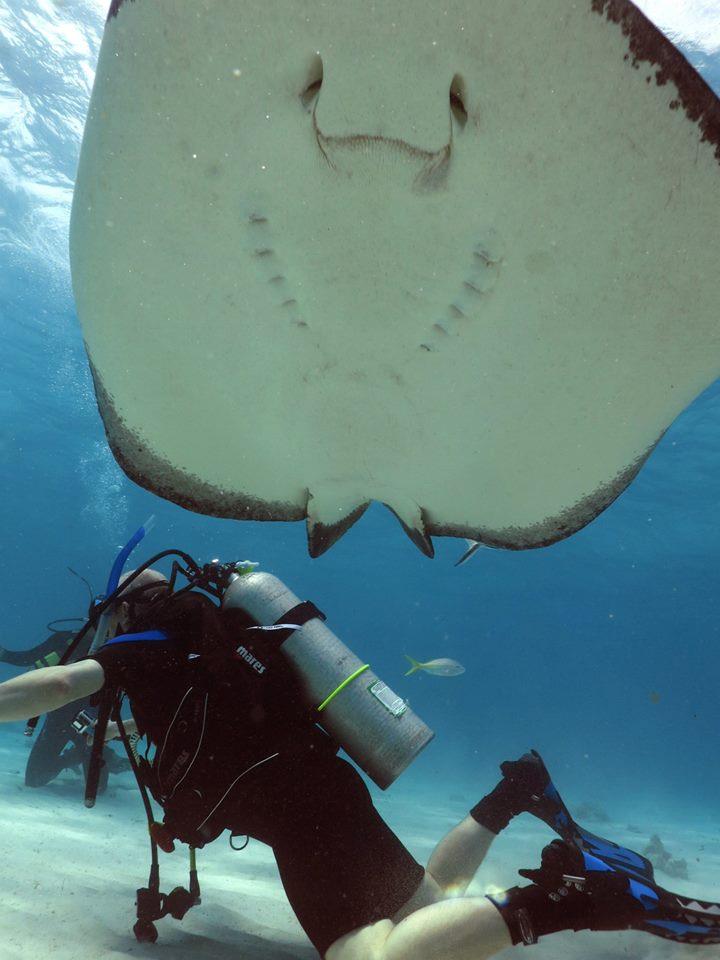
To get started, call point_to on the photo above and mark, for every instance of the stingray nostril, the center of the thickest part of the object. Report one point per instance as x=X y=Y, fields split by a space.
x=457 y=100
x=309 y=95
x=313 y=83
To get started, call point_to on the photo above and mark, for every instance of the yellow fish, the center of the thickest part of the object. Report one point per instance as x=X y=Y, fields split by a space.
x=443 y=667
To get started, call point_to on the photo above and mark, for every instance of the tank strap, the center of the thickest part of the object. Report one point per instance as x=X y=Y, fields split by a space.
x=289 y=622
x=301 y=613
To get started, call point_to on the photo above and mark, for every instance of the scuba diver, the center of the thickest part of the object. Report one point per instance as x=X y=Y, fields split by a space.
x=213 y=689
x=64 y=740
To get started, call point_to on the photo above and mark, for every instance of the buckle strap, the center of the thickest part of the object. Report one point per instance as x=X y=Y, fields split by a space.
x=289 y=622
x=525 y=926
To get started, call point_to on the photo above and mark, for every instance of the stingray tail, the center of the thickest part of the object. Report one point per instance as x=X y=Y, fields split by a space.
x=415 y=665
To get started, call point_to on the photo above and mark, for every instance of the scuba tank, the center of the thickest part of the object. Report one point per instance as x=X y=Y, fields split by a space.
x=374 y=726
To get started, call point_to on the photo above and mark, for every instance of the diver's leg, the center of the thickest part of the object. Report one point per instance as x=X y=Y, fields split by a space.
x=457 y=857
x=463 y=929
x=455 y=860
x=572 y=890
x=470 y=928
x=46 y=758
x=475 y=928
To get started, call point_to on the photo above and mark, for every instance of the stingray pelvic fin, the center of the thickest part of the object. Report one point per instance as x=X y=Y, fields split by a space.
x=327 y=521
x=412 y=520
x=472 y=548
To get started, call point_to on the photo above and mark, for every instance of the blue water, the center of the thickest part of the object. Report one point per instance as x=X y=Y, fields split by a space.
x=602 y=651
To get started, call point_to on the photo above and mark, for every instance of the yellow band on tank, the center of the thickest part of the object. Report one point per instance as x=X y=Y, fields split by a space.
x=342 y=686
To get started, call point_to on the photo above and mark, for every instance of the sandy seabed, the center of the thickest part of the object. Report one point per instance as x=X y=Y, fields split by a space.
x=70 y=876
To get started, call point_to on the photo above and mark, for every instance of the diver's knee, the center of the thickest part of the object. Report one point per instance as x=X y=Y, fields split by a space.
x=430 y=891
x=365 y=943
x=368 y=943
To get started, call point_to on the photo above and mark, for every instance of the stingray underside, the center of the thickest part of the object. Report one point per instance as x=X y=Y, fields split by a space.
x=459 y=260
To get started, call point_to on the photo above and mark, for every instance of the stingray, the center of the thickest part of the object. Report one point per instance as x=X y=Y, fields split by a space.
x=457 y=258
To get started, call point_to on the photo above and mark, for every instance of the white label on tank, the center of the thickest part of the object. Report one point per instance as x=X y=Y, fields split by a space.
x=391 y=701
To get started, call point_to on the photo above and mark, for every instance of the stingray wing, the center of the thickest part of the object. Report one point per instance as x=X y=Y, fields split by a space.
x=464 y=265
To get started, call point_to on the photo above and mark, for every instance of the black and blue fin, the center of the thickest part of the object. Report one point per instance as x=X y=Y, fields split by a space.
x=45 y=654
x=661 y=912
x=689 y=920
x=551 y=809
x=605 y=897
x=669 y=915
x=690 y=930
x=613 y=854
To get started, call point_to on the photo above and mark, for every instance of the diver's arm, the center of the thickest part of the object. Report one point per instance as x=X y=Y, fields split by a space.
x=113 y=731
x=48 y=688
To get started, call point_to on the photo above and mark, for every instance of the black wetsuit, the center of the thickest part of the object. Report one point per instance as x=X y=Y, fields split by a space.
x=263 y=769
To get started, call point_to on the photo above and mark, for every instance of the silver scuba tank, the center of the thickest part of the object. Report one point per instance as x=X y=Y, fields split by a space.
x=375 y=727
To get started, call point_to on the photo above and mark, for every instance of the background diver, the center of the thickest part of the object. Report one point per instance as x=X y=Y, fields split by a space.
x=63 y=742
x=354 y=887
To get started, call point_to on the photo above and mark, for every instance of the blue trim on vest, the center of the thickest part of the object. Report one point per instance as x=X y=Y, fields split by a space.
x=138 y=637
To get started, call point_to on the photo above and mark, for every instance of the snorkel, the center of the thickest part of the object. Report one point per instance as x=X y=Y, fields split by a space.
x=100 y=609
x=114 y=582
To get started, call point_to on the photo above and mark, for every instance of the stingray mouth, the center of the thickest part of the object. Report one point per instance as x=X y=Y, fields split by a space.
x=352 y=154
x=425 y=170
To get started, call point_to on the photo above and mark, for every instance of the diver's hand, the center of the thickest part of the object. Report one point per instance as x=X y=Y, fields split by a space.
x=112 y=731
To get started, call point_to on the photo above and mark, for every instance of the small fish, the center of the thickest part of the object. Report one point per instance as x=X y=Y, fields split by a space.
x=439 y=668
x=473 y=547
